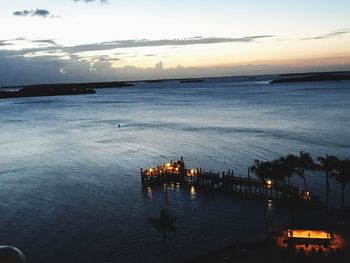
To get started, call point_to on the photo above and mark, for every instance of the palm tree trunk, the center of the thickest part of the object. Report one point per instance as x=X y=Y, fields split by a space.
x=327 y=189
x=276 y=189
x=266 y=221
x=271 y=191
x=262 y=187
x=327 y=182
x=288 y=178
x=342 y=197
x=277 y=204
x=305 y=185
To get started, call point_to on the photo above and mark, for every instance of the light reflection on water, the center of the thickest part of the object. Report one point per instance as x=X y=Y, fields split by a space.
x=193 y=192
x=69 y=177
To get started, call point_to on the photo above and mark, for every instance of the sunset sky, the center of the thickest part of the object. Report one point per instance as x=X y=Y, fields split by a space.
x=65 y=40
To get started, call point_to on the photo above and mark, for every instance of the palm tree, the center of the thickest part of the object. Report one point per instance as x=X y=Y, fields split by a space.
x=304 y=163
x=343 y=177
x=290 y=162
x=261 y=170
x=328 y=165
x=165 y=223
x=278 y=173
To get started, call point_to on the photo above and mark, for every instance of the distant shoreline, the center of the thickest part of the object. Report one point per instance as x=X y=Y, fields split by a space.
x=86 y=85
x=311 y=77
x=58 y=89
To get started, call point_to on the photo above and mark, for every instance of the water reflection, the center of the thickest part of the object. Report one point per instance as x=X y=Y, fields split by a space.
x=269 y=208
x=193 y=193
x=149 y=192
x=177 y=187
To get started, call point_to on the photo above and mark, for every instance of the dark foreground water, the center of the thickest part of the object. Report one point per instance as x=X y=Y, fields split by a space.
x=70 y=189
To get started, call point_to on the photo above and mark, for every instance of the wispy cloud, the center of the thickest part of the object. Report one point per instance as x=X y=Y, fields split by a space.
x=121 y=44
x=5 y=43
x=337 y=33
x=45 y=41
x=164 y=42
x=37 y=12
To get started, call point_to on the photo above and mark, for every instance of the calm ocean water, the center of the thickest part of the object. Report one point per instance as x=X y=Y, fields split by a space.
x=69 y=177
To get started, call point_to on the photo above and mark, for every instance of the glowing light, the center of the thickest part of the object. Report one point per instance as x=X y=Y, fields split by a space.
x=193 y=193
x=315 y=234
x=269 y=204
x=149 y=192
x=269 y=183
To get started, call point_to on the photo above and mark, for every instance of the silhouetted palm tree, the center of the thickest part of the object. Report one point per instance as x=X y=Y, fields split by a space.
x=304 y=163
x=343 y=177
x=261 y=170
x=165 y=223
x=328 y=165
x=278 y=173
x=290 y=162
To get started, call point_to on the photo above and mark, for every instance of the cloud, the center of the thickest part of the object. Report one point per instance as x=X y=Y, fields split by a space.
x=159 y=66
x=88 y=1
x=337 y=33
x=121 y=44
x=5 y=43
x=45 y=41
x=19 y=70
x=164 y=42
x=37 y=12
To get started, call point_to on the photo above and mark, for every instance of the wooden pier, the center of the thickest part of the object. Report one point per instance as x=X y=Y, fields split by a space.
x=226 y=181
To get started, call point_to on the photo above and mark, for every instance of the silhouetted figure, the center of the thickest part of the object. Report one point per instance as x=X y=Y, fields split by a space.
x=119 y=126
x=11 y=255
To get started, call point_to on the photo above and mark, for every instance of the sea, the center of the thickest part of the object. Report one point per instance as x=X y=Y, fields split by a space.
x=70 y=188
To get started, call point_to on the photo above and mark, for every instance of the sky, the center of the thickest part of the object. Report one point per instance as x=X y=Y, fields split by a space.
x=45 y=41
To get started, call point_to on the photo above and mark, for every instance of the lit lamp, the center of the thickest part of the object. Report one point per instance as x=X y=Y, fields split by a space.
x=307 y=195
x=269 y=183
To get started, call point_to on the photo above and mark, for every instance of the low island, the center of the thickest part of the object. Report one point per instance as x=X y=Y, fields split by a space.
x=309 y=77
x=58 y=89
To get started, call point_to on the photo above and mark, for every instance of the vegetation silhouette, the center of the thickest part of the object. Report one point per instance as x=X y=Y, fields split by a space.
x=283 y=168
x=328 y=165
x=342 y=175
x=164 y=223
